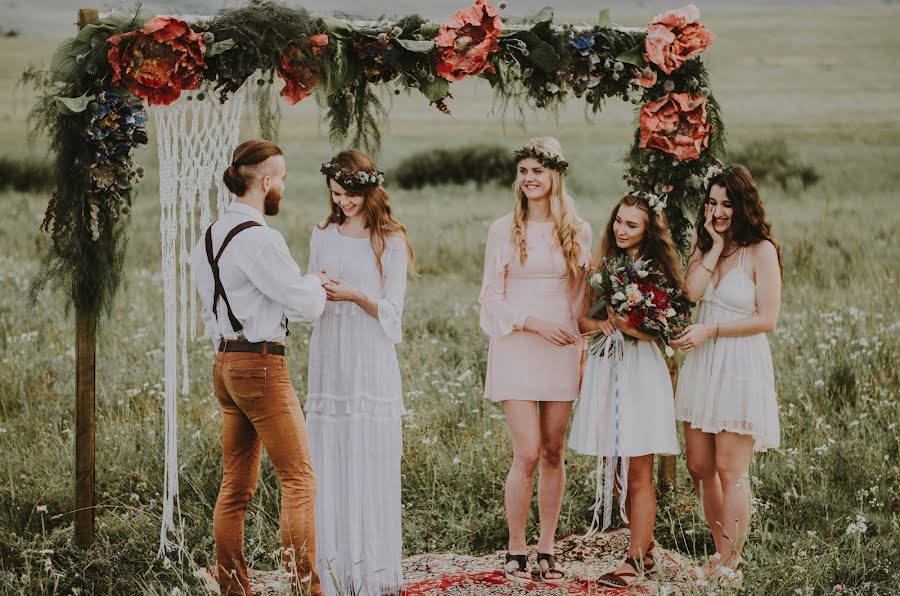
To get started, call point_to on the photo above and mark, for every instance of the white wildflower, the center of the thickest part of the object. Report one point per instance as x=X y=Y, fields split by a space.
x=858 y=527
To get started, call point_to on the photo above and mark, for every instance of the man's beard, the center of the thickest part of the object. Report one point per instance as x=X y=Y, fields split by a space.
x=271 y=202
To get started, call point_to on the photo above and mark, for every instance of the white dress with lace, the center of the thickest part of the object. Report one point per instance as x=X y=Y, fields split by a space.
x=354 y=404
x=729 y=384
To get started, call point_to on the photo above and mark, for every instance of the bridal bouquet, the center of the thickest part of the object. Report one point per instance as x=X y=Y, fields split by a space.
x=642 y=295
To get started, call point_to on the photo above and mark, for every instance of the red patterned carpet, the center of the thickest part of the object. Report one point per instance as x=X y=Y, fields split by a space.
x=449 y=574
x=584 y=560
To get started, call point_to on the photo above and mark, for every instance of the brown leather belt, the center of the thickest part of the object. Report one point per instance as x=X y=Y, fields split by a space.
x=259 y=347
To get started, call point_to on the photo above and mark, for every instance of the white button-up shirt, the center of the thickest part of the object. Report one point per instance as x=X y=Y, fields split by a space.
x=264 y=284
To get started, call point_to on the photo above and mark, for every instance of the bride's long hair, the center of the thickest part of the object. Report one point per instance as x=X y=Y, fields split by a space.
x=376 y=208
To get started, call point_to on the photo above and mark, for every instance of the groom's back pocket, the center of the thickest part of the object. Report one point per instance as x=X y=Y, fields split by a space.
x=246 y=383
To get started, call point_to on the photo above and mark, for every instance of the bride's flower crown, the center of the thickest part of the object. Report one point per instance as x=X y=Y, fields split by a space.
x=352 y=180
x=552 y=162
x=655 y=202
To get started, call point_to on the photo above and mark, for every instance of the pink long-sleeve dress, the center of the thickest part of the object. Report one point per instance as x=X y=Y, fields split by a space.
x=523 y=365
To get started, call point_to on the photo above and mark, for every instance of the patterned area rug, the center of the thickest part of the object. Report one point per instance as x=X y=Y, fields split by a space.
x=584 y=559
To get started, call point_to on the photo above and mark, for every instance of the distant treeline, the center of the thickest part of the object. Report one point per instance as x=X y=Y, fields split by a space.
x=770 y=160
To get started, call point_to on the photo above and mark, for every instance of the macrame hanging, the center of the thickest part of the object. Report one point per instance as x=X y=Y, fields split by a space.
x=195 y=138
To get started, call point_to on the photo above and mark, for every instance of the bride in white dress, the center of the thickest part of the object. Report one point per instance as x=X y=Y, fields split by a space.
x=355 y=399
x=726 y=388
x=628 y=415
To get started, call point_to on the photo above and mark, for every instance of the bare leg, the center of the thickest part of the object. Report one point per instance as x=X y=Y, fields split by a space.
x=642 y=516
x=643 y=505
x=701 y=463
x=524 y=430
x=733 y=455
x=552 y=479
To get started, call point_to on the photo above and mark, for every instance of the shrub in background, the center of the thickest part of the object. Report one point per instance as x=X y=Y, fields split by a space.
x=481 y=164
x=25 y=175
x=772 y=161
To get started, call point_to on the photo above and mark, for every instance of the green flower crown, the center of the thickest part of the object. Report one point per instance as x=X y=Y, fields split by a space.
x=352 y=180
x=548 y=161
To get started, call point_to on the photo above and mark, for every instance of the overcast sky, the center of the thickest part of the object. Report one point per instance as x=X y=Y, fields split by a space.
x=57 y=17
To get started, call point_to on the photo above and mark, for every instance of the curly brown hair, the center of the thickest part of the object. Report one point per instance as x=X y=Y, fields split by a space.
x=749 y=224
x=657 y=244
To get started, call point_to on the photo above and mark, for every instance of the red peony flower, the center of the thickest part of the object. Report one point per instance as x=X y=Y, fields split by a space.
x=157 y=61
x=676 y=124
x=299 y=78
x=636 y=318
x=467 y=40
x=675 y=36
x=660 y=298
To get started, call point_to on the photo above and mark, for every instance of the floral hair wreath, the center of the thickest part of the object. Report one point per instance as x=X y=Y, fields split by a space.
x=714 y=170
x=354 y=180
x=548 y=161
x=655 y=202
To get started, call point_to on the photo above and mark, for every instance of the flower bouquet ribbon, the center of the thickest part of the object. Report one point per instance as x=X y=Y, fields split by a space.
x=611 y=469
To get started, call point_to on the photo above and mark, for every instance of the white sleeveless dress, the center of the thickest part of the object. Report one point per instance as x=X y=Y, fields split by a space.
x=645 y=421
x=729 y=384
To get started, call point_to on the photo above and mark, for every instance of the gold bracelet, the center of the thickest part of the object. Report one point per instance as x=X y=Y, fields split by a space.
x=702 y=264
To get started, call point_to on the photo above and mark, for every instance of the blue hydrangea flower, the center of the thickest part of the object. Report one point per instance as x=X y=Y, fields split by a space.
x=583 y=42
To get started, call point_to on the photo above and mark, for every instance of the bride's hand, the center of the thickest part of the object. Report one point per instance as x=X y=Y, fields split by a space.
x=339 y=290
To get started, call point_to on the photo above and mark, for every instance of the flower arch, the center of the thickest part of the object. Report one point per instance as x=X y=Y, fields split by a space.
x=93 y=103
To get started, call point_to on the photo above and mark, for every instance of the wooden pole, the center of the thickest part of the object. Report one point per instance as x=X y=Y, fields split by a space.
x=85 y=397
x=665 y=474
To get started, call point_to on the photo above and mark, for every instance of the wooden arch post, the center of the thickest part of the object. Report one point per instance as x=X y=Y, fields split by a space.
x=85 y=397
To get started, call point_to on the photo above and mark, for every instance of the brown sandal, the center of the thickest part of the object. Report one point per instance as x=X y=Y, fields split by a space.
x=617 y=580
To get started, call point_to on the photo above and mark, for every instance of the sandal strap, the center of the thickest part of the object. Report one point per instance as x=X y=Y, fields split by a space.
x=552 y=565
x=550 y=558
x=521 y=561
x=616 y=578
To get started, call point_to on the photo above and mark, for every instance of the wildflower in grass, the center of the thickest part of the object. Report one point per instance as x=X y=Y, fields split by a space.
x=858 y=527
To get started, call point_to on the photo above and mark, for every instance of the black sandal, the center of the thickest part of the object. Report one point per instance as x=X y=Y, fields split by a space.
x=617 y=580
x=551 y=568
x=521 y=565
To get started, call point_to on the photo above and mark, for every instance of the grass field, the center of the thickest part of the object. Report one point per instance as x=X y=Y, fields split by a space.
x=824 y=80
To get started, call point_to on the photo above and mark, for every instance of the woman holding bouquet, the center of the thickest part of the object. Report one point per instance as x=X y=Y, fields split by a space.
x=726 y=389
x=627 y=415
x=355 y=400
x=530 y=299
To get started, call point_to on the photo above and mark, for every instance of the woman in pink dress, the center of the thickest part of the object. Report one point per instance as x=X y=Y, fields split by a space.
x=530 y=300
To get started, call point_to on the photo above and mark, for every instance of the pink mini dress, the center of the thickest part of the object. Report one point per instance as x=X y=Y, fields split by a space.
x=523 y=365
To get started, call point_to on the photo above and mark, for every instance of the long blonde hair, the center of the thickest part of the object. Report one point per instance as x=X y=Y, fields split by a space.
x=566 y=223
x=376 y=209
